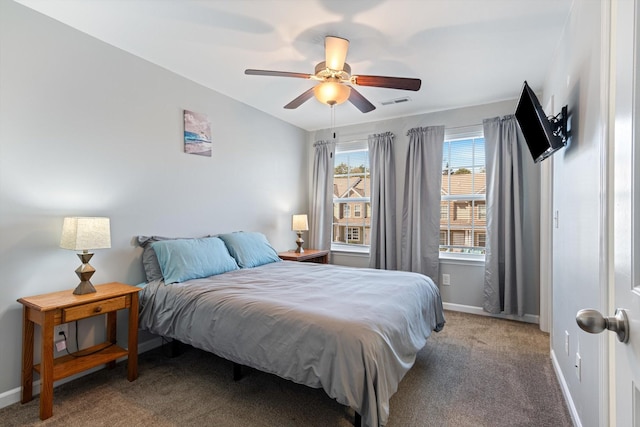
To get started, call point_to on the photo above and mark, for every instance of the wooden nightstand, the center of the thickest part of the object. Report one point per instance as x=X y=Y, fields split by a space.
x=53 y=309
x=309 y=255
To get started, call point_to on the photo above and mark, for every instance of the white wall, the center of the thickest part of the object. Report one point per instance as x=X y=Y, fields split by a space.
x=578 y=78
x=467 y=278
x=87 y=129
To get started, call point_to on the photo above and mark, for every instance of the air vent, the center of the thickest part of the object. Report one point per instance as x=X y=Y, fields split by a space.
x=397 y=101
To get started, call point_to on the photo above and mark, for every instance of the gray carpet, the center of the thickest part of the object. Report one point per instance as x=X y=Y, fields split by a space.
x=479 y=371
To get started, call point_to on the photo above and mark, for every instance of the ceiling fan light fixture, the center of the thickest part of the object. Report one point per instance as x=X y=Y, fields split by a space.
x=336 y=84
x=331 y=92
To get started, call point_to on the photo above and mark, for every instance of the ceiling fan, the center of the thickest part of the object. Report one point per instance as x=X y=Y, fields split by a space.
x=335 y=78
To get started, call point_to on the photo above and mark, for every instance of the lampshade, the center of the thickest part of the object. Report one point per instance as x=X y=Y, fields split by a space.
x=82 y=233
x=331 y=92
x=335 y=49
x=299 y=223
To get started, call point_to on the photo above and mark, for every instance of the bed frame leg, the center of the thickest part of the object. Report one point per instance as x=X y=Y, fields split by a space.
x=172 y=348
x=237 y=371
x=357 y=420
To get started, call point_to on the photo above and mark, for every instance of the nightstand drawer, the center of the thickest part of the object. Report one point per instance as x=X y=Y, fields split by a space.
x=93 y=309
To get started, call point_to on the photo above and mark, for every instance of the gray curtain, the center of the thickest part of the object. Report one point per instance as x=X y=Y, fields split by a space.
x=321 y=217
x=420 y=242
x=383 y=251
x=504 y=268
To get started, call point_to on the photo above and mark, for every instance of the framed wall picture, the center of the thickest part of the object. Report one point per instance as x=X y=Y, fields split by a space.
x=197 y=134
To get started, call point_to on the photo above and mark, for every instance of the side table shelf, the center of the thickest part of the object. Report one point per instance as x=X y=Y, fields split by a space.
x=84 y=359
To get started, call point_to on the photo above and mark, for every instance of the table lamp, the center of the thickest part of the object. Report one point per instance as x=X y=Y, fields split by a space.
x=83 y=234
x=299 y=224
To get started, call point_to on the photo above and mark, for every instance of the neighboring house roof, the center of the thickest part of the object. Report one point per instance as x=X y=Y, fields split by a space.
x=347 y=187
x=354 y=186
x=458 y=184
x=464 y=183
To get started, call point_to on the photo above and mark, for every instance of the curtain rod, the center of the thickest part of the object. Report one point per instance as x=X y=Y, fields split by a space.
x=446 y=128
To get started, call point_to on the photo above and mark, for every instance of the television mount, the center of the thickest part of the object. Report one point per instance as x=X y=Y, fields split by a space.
x=559 y=125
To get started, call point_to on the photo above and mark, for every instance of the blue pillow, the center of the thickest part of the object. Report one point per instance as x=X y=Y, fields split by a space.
x=149 y=259
x=250 y=249
x=184 y=259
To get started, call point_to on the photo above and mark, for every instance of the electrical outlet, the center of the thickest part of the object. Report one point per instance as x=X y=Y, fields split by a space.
x=446 y=279
x=566 y=342
x=579 y=367
x=58 y=329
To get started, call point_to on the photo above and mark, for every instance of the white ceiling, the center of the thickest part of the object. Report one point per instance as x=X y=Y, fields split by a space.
x=467 y=52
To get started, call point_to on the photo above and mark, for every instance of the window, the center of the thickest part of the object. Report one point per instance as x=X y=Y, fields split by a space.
x=463 y=215
x=353 y=234
x=351 y=191
x=482 y=210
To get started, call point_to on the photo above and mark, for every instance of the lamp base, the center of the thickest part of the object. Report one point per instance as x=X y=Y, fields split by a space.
x=84 y=272
x=85 y=287
x=299 y=242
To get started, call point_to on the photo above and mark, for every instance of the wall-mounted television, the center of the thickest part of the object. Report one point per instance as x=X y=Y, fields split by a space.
x=544 y=135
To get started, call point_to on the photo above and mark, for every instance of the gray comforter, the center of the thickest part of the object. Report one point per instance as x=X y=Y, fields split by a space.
x=354 y=332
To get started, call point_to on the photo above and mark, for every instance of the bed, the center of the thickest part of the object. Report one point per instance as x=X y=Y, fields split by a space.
x=352 y=332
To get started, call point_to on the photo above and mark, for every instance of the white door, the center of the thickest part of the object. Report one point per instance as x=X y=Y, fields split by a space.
x=625 y=204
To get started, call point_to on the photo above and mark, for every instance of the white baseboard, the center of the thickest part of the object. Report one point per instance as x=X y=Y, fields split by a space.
x=12 y=396
x=528 y=318
x=565 y=391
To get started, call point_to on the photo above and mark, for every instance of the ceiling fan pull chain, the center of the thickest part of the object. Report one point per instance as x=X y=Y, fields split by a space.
x=333 y=121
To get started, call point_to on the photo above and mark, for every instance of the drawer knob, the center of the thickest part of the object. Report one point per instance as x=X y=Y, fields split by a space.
x=98 y=309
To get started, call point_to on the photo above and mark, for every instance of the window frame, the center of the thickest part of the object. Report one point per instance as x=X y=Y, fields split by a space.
x=453 y=134
x=356 y=144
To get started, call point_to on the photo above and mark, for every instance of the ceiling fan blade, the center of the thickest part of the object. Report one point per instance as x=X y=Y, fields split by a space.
x=360 y=101
x=306 y=95
x=403 y=83
x=335 y=49
x=276 y=73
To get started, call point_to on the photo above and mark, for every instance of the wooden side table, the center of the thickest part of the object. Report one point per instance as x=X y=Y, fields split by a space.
x=309 y=255
x=56 y=308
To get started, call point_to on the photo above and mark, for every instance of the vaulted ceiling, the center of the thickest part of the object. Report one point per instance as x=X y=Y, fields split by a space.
x=466 y=52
